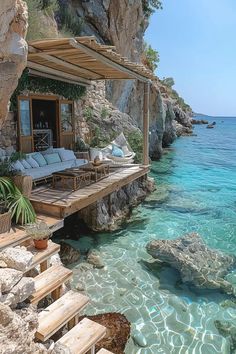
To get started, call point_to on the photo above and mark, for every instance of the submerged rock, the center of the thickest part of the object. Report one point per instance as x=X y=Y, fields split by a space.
x=68 y=254
x=95 y=259
x=227 y=330
x=117 y=334
x=197 y=263
x=139 y=339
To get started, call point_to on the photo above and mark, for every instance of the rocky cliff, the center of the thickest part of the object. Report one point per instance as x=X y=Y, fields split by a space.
x=123 y=24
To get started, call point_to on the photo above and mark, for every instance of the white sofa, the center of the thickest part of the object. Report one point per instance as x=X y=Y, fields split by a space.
x=67 y=159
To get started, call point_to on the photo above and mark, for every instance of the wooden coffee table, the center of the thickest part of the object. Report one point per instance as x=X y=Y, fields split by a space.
x=71 y=178
x=98 y=171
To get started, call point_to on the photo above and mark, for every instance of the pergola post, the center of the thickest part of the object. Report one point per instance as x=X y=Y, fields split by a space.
x=146 y=123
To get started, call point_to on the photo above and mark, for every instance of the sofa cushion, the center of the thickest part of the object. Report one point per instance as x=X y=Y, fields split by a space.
x=25 y=163
x=18 y=166
x=33 y=163
x=51 y=150
x=52 y=158
x=116 y=151
x=67 y=155
x=38 y=157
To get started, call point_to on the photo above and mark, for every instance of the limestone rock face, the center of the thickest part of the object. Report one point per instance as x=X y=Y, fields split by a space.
x=8 y=278
x=22 y=290
x=17 y=258
x=197 y=264
x=17 y=331
x=13 y=49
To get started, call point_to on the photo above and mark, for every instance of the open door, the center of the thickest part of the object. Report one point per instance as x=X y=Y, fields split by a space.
x=25 y=131
x=66 y=124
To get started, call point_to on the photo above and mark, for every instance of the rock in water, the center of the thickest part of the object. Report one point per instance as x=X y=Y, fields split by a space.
x=95 y=259
x=197 y=263
x=227 y=330
x=68 y=254
x=139 y=339
x=117 y=334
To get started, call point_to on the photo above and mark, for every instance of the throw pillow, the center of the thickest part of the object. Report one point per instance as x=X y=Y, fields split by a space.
x=67 y=155
x=25 y=163
x=17 y=166
x=116 y=151
x=52 y=158
x=33 y=163
x=40 y=159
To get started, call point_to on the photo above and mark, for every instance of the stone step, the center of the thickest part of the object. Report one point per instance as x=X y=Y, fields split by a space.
x=42 y=257
x=83 y=337
x=60 y=313
x=104 y=351
x=50 y=281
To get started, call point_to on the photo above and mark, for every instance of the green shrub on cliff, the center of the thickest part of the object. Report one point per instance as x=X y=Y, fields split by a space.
x=149 y=6
x=150 y=57
x=135 y=140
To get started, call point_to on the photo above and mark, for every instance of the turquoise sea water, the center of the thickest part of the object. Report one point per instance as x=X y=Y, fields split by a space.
x=196 y=191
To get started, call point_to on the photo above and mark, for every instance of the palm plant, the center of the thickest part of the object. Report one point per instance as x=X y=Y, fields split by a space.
x=21 y=208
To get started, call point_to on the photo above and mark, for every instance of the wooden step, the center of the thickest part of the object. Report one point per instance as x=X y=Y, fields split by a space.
x=42 y=257
x=60 y=313
x=48 y=281
x=17 y=234
x=104 y=351
x=83 y=336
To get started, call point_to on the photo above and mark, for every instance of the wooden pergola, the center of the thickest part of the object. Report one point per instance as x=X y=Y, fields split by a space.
x=81 y=60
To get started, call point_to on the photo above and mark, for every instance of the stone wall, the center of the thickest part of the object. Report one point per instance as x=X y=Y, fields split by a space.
x=110 y=212
x=8 y=132
x=13 y=49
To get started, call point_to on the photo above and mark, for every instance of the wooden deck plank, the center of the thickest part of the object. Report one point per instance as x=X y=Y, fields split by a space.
x=83 y=336
x=64 y=203
x=60 y=313
x=48 y=281
x=17 y=234
x=42 y=255
x=104 y=351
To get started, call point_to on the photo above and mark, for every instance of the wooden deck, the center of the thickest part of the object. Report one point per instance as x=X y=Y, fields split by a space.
x=61 y=204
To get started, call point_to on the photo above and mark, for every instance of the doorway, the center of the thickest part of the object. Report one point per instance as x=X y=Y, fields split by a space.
x=45 y=127
x=45 y=121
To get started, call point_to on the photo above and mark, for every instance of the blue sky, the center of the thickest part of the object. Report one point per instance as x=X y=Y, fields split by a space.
x=196 y=40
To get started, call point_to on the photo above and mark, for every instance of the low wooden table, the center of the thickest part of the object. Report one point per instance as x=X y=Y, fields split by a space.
x=98 y=172
x=72 y=178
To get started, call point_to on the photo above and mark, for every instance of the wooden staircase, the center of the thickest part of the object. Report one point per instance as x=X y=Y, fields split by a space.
x=81 y=337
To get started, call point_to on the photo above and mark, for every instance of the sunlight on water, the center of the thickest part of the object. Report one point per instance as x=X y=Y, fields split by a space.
x=196 y=189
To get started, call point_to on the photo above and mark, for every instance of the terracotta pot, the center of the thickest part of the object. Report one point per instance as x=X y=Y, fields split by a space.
x=41 y=244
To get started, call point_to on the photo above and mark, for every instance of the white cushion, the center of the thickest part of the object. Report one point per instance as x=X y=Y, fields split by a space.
x=51 y=150
x=67 y=155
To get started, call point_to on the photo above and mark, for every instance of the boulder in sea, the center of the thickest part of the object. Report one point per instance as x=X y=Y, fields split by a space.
x=95 y=259
x=197 y=263
x=139 y=339
x=227 y=330
x=117 y=333
x=68 y=254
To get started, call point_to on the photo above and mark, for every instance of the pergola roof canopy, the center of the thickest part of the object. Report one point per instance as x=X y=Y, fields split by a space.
x=81 y=60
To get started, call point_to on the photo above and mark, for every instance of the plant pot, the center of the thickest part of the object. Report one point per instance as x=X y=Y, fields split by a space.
x=41 y=244
x=24 y=184
x=5 y=222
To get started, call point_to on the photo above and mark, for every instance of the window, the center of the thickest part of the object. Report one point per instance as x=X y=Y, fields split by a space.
x=25 y=121
x=66 y=117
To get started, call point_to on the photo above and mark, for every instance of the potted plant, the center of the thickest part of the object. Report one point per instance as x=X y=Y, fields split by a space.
x=40 y=233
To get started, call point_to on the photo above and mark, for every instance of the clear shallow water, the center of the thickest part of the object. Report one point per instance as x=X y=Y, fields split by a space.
x=196 y=191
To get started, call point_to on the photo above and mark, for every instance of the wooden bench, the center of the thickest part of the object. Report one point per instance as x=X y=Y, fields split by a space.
x=83 y=337
x=50 y=281
x=60 y=313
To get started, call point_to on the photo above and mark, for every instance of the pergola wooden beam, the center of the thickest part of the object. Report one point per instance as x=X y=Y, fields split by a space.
x=146 y=104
